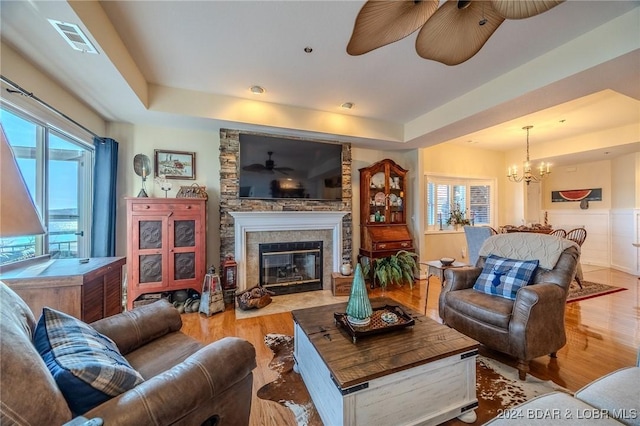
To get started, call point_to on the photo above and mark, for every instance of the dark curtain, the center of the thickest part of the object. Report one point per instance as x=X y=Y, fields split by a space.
x=105 y=172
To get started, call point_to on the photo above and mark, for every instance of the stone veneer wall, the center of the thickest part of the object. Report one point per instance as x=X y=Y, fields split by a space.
x=230 y=201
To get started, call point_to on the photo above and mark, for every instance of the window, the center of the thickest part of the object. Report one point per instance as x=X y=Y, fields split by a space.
x=57 y=169
x=473 y=197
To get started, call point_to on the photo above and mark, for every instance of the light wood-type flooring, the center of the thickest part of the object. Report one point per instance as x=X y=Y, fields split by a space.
x=603 y=334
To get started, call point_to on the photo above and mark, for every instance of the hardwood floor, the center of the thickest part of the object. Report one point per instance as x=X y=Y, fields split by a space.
x=603 y=334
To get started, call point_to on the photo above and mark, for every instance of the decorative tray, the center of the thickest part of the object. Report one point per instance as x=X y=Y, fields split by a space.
x=385 y=318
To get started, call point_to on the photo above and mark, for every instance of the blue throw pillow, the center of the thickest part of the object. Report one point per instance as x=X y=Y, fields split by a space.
x=504 y=277
x=86 y=365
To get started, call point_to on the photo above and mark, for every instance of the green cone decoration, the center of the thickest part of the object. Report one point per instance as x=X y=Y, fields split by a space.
x=359 y=307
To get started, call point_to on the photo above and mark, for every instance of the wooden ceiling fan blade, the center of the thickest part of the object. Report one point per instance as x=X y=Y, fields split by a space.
x=381 y=22
x=452 y=35
x=520 y=9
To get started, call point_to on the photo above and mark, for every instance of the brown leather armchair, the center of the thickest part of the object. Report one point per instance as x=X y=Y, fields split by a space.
x=186 y=382
x=530 y=326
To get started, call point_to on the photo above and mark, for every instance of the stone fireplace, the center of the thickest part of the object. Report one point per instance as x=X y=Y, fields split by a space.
x=246 y=223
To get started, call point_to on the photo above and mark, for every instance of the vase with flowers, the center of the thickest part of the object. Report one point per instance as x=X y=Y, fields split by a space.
x=457 y=217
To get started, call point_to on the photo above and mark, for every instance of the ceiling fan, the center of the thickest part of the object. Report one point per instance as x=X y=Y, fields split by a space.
x=268 y=167
x=450 y=34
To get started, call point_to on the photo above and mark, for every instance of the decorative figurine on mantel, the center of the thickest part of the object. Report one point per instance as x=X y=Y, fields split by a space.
x=359 y=309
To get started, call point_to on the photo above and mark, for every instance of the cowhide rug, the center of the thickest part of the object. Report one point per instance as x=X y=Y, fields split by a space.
x=288 y=389
x=497 y=384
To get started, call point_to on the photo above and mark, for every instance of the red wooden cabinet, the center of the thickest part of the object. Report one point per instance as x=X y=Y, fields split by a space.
x=166 y=245
x=383 y=218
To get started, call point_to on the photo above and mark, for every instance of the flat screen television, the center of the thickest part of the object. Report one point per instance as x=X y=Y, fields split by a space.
x=276 y=167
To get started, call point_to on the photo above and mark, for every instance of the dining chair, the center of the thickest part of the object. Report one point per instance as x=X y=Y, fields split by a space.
x=559 y=233
x=578 y=235
x=475 y=236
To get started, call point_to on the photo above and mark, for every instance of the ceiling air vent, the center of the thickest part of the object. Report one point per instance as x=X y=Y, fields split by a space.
x=73 y=35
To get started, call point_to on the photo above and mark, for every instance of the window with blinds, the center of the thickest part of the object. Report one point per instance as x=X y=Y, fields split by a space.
x=473 y=197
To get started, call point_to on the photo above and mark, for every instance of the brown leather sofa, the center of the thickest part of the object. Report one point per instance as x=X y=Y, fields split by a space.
x=530 y=326
x=186 y=382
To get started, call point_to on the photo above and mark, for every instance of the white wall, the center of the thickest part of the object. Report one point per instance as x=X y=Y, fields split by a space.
x=625 y=200
x=464 y=161
x=597 y=247
x=24 y=74
x=610 y=223
x=624 y=173
x=595 y=174
x=636 y=239
x=144 y=139
x=623 y=234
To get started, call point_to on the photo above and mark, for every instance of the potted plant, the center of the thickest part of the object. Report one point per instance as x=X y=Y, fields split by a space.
x=396 y=269
x=457 y=217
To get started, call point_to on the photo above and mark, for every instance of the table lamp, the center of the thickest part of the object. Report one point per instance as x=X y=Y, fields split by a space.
x=18 y=214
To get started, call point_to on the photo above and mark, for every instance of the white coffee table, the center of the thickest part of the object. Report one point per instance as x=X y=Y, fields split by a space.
x=420 y=375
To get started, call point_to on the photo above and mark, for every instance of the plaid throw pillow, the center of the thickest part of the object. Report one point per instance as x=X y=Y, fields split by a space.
x=86 y=365
x=504 y=277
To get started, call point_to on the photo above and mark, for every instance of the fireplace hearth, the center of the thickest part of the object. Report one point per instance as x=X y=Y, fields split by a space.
x=291 y=267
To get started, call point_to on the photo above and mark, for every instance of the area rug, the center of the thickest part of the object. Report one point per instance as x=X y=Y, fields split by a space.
x=497 y=384
x=290 y=302
x=589 y=290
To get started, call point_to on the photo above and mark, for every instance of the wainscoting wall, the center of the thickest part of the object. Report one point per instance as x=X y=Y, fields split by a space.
x=610 y=234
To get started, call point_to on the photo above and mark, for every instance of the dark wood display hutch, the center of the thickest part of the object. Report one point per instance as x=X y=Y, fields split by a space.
x=166 y=245
x=383 y=216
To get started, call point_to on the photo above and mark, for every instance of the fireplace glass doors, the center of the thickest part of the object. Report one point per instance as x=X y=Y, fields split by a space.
x=291 y=267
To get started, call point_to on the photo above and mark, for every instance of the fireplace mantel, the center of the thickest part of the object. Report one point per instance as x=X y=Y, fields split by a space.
x=261 y=221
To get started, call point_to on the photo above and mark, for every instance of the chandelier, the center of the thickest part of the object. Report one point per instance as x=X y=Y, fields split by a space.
x=527 y=175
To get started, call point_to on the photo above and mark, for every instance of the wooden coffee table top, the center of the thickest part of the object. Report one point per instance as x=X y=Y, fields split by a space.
x=379 y=355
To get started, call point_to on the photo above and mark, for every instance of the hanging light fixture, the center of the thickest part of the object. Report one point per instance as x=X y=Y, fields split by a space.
x=527 y=175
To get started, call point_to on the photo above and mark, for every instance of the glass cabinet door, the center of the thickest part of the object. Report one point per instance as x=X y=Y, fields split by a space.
x=386 y=197
x=396 y=197
x=377 y=198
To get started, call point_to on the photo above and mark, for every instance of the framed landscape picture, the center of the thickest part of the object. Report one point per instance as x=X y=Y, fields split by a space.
x=175 y=164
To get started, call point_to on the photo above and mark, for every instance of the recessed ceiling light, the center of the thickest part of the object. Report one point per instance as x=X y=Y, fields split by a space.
x=258 y=90
x=347 y=105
